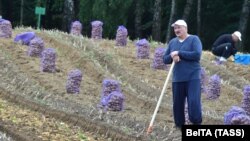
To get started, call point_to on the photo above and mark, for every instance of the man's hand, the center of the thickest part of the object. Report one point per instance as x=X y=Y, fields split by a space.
x=176 y=58
x=174 y=53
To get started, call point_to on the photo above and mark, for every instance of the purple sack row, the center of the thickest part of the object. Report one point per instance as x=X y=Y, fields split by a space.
x=96 y=32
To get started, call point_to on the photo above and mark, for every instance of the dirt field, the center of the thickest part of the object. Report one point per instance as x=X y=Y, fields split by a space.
x=99 y=60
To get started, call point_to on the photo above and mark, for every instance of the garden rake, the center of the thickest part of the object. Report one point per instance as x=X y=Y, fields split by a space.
x=150 y=128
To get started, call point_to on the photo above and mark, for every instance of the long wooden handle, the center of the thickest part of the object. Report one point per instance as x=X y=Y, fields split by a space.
x=150 y=128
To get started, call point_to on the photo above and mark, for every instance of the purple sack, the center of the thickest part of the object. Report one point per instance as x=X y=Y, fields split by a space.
x=109 y=86
x=240 y=120
x=214 y=87
x=234 y=115
x=114 y=102
x=5 y=29
x=48 y=60
x=96 y=32
x=245 y=104
x=76 y=28
x=158 y=61
x=1 y=20
x=121 y=36
x=74 y=81
x=36 y=47
x=143 y=49
x=25 y=37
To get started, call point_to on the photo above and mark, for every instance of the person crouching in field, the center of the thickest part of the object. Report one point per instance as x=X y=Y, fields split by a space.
x=224 y=46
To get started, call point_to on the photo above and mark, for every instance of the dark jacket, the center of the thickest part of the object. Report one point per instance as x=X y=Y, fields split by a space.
x=225 y=38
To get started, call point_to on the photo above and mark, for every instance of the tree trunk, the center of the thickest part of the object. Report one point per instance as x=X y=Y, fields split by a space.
x=76 y=8
x=171 y=20
x=187 y=9
x=68 y=12
x=1 y=8
x=9 y=12
x=199 y=18
x=48 y=16
x=243 y=23
x=138 y=18
x=21 y=12
x=156 y=28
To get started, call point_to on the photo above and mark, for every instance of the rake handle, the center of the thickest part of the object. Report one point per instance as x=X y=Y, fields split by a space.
x=150 y=128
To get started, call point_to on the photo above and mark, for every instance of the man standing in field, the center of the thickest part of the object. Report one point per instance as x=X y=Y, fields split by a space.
x=185 y=50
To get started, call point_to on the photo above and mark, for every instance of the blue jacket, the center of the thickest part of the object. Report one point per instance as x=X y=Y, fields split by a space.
x=190 y=51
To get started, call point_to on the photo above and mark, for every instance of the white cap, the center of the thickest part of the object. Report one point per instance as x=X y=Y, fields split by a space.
x=179 y=22
x=237 y=34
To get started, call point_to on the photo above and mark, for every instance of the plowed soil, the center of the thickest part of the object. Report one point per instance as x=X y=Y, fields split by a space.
x=42 y=96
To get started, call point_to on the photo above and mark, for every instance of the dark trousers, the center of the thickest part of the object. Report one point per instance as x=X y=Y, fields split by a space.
x=224 y=50
x=192 y=91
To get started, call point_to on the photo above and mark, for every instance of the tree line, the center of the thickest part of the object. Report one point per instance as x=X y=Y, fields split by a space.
x=149 y=19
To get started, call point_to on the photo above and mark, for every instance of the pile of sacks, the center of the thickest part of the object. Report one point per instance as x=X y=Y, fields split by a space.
x=111 y=97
